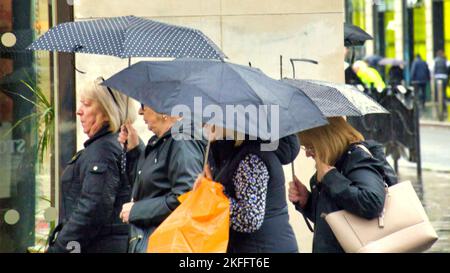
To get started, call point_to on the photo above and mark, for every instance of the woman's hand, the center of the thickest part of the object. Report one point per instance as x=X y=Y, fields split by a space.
x=322 y=169
x=298 y=193
x=128 y=133
x=207 y=173
x=125 y=213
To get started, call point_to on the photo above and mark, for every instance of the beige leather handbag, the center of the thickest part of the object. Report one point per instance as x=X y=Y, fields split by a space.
x=402 y=227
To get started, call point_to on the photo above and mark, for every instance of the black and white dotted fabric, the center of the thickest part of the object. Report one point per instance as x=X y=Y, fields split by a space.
x=338 y=99
x=248 y=206
x=128 y=36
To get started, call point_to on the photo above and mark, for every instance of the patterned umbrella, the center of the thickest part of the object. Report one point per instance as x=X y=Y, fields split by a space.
x=338 y=99
x=126 y=37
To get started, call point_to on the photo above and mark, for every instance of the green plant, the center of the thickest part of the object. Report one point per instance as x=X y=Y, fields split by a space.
x=45 y=116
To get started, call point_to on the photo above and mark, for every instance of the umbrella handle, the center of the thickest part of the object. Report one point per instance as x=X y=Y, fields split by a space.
x=205 y=162
x=208 y=146
x=293 y=170
x=352 y=60
x=300 y=60
x=76 y=69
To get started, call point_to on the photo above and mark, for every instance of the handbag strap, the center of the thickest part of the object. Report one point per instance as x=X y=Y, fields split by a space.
x=308 y=223
x=386 y=187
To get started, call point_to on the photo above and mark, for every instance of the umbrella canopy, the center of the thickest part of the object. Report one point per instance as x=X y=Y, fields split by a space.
x=167 y=84
x=390 y=61
x=354 y=35
x=338 y=99
x=373 y=60
x=128 y=36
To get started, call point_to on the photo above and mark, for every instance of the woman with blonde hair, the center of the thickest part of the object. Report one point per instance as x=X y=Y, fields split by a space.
x=161 y=171
x=93 y=185
x=350 y=175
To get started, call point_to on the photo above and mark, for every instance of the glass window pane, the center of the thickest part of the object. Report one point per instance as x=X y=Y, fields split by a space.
x=26 y=122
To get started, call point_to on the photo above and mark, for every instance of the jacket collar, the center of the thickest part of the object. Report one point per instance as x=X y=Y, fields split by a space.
x=342 y=159
x=221 y=151
x=155 y=140
x=100 y=133
x=179 y=129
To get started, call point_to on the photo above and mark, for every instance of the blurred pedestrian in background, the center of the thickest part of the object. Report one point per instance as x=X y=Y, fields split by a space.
x=420 y=77
x=369 y=75
x=441 y=72
x=396 y=75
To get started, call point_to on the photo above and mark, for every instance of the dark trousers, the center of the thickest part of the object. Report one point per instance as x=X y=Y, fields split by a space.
x=444 y=91
x=421 y=91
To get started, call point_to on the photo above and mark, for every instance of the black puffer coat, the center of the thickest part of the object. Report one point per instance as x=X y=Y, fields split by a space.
x=92 y=196
x=356 y=185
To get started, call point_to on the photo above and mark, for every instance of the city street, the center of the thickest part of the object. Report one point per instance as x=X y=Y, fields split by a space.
x=434 y=190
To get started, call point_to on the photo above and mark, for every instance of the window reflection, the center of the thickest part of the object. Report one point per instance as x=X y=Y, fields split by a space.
x=25 y=180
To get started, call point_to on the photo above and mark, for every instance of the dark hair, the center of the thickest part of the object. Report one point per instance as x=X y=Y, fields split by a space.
x=440 y=53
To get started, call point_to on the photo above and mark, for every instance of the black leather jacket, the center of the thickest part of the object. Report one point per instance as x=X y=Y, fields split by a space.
x=92 y=195
x=163 y=170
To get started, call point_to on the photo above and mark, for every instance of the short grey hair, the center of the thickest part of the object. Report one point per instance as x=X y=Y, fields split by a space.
x=113 y=103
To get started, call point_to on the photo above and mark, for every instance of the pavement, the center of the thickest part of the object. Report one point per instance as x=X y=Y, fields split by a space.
x=435 y=146
x=428 y=122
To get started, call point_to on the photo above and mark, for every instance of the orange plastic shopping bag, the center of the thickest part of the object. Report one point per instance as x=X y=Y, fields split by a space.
x=200 y=224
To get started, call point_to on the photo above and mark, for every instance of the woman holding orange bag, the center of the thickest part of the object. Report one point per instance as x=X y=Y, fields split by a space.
x=254 y=183
x=163 y=170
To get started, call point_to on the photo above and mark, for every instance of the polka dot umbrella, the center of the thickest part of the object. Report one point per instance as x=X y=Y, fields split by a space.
x=128 y=36
x=335 y=99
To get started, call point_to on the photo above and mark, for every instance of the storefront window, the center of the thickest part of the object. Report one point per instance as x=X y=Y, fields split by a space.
x=359 y=14
x=447 y=27
x=26 y=123
x=390 y=27
x=419 y=31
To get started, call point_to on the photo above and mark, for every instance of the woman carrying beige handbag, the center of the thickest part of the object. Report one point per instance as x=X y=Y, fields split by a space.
x=347 y=178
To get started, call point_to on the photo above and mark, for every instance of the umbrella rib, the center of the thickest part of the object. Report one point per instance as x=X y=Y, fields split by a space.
x=112 y=26
x=246 y=83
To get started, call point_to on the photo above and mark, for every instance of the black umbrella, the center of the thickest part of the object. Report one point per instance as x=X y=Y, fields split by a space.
x=126 y=37
x=354 y=35
x=167 y=84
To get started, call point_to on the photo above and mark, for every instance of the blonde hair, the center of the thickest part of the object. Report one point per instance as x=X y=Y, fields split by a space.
x=229 y=134
x=113 y=104
x=332 y=140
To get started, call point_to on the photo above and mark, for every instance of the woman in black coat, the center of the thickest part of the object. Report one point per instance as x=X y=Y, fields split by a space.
x=348 y=177
x=254 y=183
x=93 y=189
x=162 y=171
